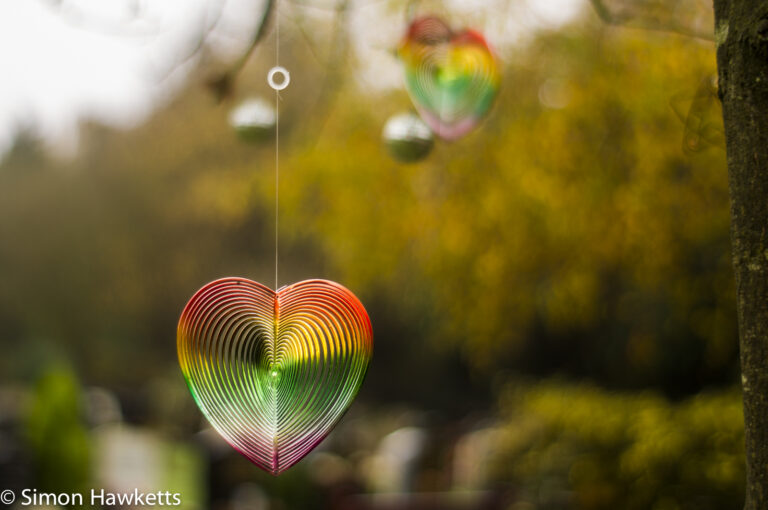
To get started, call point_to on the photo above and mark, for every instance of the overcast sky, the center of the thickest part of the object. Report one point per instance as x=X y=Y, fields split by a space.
x=113 y=61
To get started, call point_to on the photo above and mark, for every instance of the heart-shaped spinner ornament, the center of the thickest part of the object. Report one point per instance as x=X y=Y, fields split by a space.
x=452 y=77
x=273 y=372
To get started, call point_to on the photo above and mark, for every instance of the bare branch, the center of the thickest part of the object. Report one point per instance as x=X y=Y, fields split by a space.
x=300 y=26
x=223 y=84
x=199 y=44
x=333 y=80
x=610 y=18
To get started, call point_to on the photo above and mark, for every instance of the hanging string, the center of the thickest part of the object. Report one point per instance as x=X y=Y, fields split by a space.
x=277 y=85
x=277 y=148
x=271 y=81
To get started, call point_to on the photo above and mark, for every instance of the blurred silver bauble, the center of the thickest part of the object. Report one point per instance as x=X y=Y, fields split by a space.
x=253 y=120
x=407 y=137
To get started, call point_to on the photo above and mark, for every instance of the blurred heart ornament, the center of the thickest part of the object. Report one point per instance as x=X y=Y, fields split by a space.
x=273 y=372
x=451 y=77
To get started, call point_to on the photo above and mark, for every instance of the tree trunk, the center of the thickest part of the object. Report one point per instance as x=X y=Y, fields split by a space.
x=741 y=29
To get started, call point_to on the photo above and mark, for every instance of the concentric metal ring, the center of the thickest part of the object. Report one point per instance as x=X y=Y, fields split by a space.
x=273 y=372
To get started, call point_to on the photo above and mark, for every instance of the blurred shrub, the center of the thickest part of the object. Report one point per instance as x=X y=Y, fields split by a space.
x=577 y=446
x=56 y=434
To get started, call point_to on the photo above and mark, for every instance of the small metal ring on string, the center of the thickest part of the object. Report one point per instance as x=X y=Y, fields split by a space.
x=283 y=84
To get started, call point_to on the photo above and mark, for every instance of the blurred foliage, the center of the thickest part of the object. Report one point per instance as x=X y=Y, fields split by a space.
x=576 y=446
x=56 y=434
x=568 y=234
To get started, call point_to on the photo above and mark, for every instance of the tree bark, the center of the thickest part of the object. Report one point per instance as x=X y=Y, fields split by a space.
x=741 y=33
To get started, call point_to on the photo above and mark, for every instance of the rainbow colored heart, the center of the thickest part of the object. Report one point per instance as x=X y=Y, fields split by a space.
x=273 y=372
x=452 y=77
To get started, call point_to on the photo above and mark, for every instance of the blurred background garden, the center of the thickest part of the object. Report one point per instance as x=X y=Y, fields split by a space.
x=551 y=296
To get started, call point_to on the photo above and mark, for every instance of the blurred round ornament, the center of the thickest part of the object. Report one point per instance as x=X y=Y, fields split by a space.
x=408 y=138
x=253 y=119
